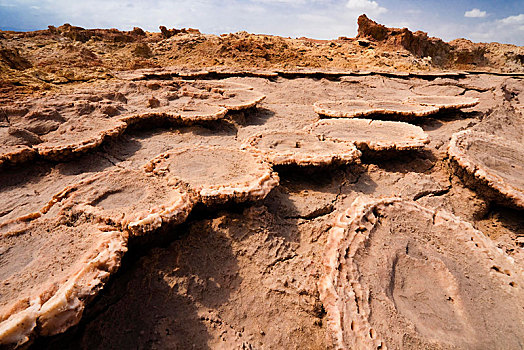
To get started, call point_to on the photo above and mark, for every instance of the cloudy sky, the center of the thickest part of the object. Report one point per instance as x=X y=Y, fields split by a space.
x=477 y=20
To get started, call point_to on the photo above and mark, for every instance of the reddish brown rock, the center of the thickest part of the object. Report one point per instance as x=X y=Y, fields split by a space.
x=301 y=148
x=218 y=175
x=490 y=164
x=398 y=275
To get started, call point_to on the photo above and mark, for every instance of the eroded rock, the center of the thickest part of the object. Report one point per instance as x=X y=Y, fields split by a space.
x=399 y=275
x=129 y=199
x=363 y=108
x=445 y=102
x=301 y=148
x=218 y=174
x=50 y=270
x=492 y=165
x=71 y=123
x=370 y=134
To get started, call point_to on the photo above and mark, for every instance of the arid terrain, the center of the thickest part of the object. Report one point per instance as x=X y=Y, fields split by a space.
x=179 y=190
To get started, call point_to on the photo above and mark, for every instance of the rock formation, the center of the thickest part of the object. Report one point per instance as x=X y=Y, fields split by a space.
x=301 y=148
x=398 y=275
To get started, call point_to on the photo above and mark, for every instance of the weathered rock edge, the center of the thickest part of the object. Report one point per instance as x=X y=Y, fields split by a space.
x=477 y=176
x=350 y=231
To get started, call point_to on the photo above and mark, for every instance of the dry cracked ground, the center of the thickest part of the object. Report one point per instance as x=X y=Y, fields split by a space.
x=270 y=211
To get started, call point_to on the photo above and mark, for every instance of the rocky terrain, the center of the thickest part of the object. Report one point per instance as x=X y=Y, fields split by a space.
x=181 y=190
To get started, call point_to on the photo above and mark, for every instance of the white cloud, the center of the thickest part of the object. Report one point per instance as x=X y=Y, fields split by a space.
x=365 y=5
x=513 y=19
x=475 y=13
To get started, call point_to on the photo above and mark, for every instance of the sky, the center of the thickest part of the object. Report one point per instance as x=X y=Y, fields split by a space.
x=477 y=20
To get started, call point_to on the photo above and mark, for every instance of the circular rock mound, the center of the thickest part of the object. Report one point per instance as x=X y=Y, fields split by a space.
x=218 y=175
x=16 y=145
x=301 y=148
x=129 y=199
x=374 y=135
x=444 y=102
x=77 y=136
x=344 y=109
x=363 y=108
x=401 y=276
x=493 y=165
x=404 y=109
x=49 y=270
x=56 y=126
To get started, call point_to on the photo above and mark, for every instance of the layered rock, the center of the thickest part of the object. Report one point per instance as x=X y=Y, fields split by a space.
x=50 y=270
x=364 y=108
x=398 y=275
x=490 y=164
x=129 y=199
x=371 y=135
x=218 y=175
x=301 y=148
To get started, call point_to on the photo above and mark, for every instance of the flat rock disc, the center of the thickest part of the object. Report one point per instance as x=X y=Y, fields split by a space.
x=404 y=109
x=301 y=148
x=401 y=276
x=344 y=109
x=370 y=134
x=49 y=270
x=79 y=135
x=363 y=108
x=492 y=162
x=130 y=199
x=218 y=174
x=445 y=102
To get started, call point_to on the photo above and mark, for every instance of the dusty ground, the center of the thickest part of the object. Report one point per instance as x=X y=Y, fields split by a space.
x=246 y=275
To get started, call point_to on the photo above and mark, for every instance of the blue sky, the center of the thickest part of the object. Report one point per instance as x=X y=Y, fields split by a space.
x=477 y=20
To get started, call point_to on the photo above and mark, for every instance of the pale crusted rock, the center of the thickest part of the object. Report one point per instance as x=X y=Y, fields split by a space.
x=344 y=109
x=301 y=148
x=445 y=102
x=50 y=271
x=492 y=164
x=370 y=134
x=76 y=136
x=363 y=108
x=129 y=199
x=218 y=174
x=398 y=275
x=72 y=122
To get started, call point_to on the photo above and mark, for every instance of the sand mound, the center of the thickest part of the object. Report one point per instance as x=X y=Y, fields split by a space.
x=301 y=148
x=398 y=275
x=371 y=135
x=490 y=164
x=362 y=108
x=49 y=271
x=218 y=174
x=445 y=102
x=129 y=199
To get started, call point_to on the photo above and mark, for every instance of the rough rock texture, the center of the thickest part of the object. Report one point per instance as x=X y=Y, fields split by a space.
x=129 y=199
x=244 y=274
x=61 y=125
x=372 y=135
x=362 y=108
x=301 y=148
x=49 y=59
x=445 y=102
x=489 y=161
x=218 y=175
x=49 y=271
x=398 y=275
